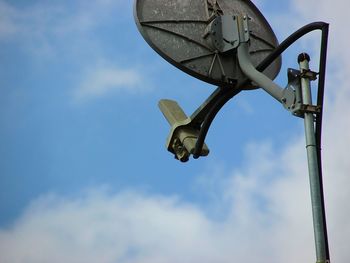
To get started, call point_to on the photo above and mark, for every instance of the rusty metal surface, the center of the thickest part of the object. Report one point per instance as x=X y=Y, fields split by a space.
x=176 y=30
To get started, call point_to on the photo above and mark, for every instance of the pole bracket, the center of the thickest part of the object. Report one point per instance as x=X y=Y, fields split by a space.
x=309 y=74
x=301 y=109
x=292 y=99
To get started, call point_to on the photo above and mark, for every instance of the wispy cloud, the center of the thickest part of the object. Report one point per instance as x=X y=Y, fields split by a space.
x=43 y=27
x=268 y=219
x=105 y=80
x=65 y=33
x=7 y=16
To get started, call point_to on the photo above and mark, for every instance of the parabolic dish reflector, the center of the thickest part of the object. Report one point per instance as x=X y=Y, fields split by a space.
x=176 y=30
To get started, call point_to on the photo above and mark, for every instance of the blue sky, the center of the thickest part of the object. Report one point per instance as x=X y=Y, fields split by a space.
x=83 y=167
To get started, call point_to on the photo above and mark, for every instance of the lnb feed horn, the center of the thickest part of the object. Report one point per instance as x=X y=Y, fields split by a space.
x=183 y=135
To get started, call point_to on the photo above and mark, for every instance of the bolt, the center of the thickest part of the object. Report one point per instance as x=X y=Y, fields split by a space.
x=303 y=56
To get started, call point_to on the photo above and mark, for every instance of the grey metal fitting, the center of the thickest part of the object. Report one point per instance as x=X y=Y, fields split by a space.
x=183 y=135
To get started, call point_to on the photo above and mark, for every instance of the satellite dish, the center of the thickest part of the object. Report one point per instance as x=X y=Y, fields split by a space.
x=222 y=42
x=178 y=31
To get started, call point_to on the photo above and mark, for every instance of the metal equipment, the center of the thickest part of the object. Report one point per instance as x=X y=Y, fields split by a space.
x=230 y=44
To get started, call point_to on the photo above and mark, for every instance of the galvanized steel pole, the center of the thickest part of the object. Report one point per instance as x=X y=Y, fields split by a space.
x=311 y=148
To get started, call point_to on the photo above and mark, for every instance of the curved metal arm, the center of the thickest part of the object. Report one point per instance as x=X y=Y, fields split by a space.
x=261 y=79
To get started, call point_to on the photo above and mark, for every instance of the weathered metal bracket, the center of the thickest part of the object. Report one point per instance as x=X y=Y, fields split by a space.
x=290 y=97
x=297 y=106
x=224 y=32
x=311 y=75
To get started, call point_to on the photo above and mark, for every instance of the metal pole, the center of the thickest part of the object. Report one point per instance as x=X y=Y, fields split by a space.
x=311 y=148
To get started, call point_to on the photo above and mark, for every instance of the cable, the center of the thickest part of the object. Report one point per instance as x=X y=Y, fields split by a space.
x=319 y=117
x=209 y=119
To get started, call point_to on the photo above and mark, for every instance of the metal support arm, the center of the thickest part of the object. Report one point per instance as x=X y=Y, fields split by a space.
x=259 y=78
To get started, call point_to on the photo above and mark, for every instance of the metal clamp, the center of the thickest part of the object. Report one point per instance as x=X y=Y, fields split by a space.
x=292 y=99
x=311 y=75
x=226 y=32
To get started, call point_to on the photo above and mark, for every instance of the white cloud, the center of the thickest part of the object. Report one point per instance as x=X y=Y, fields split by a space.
x=7 y=15
x=105 y=80
x=42 y=27
x=133 y=228
x=266 y=202
x=99 y=228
